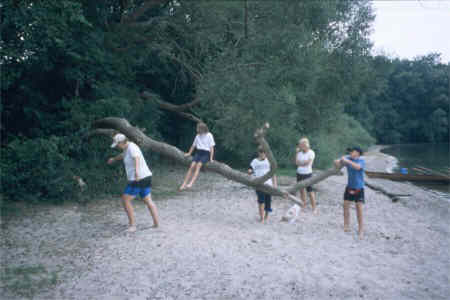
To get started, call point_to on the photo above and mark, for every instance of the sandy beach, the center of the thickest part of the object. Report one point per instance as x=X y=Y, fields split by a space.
x=211 y=246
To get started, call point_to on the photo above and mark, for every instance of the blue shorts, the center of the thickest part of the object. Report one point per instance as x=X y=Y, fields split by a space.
x=142 y=187
x=202 y=156
x=134 y=191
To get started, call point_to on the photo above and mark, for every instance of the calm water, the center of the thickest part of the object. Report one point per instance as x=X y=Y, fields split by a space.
x=431 y=156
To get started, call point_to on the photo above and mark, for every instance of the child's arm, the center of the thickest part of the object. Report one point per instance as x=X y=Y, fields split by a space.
x=190 y=151
x=113 y=159
x=352 y=164
x=250 y=171
x=211 y=157
x=136 y=167
x=304 y=163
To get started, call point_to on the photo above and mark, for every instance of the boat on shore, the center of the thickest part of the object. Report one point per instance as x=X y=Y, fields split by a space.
x=410 y=177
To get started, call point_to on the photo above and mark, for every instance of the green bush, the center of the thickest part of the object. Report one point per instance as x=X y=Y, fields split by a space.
x=35 y=168
x=332 y=142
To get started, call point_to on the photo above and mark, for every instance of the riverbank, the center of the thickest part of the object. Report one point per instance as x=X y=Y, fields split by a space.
x=210 y=246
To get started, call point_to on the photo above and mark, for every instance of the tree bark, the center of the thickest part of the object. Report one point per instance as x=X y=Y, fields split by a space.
x=178 y=109
x=171 y=152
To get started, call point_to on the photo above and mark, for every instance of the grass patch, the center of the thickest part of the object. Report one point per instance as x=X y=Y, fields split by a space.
x=26 y=281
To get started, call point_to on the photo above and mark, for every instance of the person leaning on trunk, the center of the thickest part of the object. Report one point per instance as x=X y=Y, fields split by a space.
x=354 y=191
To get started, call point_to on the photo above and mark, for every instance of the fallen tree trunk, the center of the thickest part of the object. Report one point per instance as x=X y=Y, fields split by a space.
x=171 y=152
x=394 y=197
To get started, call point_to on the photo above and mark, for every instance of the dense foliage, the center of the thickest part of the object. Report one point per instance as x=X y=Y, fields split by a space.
x=303 y=66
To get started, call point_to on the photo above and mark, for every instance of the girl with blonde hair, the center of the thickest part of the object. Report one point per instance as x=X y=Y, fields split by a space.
x=304 y=159
x=204 y=152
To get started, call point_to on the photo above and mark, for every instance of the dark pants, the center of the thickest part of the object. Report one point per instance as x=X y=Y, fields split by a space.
x=265 y=199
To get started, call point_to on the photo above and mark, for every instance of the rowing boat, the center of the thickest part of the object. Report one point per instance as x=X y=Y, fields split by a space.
x=409 y=177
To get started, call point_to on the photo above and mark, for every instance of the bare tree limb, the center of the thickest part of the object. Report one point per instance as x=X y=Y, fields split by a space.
x=100 y=131
x=260 y=138
x=178 y=109
x=170 y=106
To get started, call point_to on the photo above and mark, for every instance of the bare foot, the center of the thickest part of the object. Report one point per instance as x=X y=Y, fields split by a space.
x=131 y=229
x=360 y=235
x=346 y=229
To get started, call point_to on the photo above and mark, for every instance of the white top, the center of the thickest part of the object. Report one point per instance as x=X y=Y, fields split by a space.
x=130 y=154
x=260 y=168
x=204 y=141
x=303 y=157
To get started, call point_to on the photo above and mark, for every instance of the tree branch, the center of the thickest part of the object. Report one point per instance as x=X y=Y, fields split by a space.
x=100 y=131
x=178 y=109
x=260 y=138
x=169 y=106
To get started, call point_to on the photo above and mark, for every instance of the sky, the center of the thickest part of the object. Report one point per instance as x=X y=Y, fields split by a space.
x=411 y=28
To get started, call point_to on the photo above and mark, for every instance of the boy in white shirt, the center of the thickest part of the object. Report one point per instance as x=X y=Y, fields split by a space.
x=259 y=167
x=139 y=178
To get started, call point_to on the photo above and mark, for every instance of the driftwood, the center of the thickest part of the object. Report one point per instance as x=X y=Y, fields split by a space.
x=175 y=154
x=392 y=196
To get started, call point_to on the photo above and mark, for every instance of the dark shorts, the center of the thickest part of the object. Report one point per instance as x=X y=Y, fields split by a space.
x=265 y=199
x=356 y=195
x=201 y=156
x=301 y=177
x=142 y=187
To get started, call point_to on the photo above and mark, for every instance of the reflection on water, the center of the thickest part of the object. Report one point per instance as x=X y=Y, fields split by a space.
x=430 y=156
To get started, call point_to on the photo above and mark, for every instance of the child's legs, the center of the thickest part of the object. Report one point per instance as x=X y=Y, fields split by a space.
x=312 y=198
x=267 y=205
x=261 y=211
x=126 y=201
x=260 y=201
x=152 y=208
x=188 y=174
x=303 y=197
x=198 y=166
x=359 y=215
x=346 y=215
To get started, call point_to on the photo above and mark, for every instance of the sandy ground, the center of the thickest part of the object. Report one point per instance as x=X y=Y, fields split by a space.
x=210 y=246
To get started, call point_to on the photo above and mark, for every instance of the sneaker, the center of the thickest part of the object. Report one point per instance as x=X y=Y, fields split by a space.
x=131 y=229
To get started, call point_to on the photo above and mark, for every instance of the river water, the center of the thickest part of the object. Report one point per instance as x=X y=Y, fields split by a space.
x=430 y=156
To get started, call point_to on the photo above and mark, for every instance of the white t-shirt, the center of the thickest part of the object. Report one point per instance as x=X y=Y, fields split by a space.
x=260 y=168
x=204 y=141
x=130 y=154
x=303 y=157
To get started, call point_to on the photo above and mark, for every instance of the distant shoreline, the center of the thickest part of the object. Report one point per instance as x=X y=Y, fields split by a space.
x=378 y=161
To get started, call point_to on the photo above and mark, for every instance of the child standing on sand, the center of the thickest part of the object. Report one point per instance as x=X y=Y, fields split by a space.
x=139 y=178
x=259 y=167
x=354 y=191
x=304 y=159
x=204 y=152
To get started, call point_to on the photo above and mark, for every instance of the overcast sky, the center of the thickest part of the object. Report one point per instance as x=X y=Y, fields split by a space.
x=407 y=29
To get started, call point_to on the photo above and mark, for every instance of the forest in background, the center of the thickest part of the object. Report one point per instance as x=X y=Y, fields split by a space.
x=304 y=66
